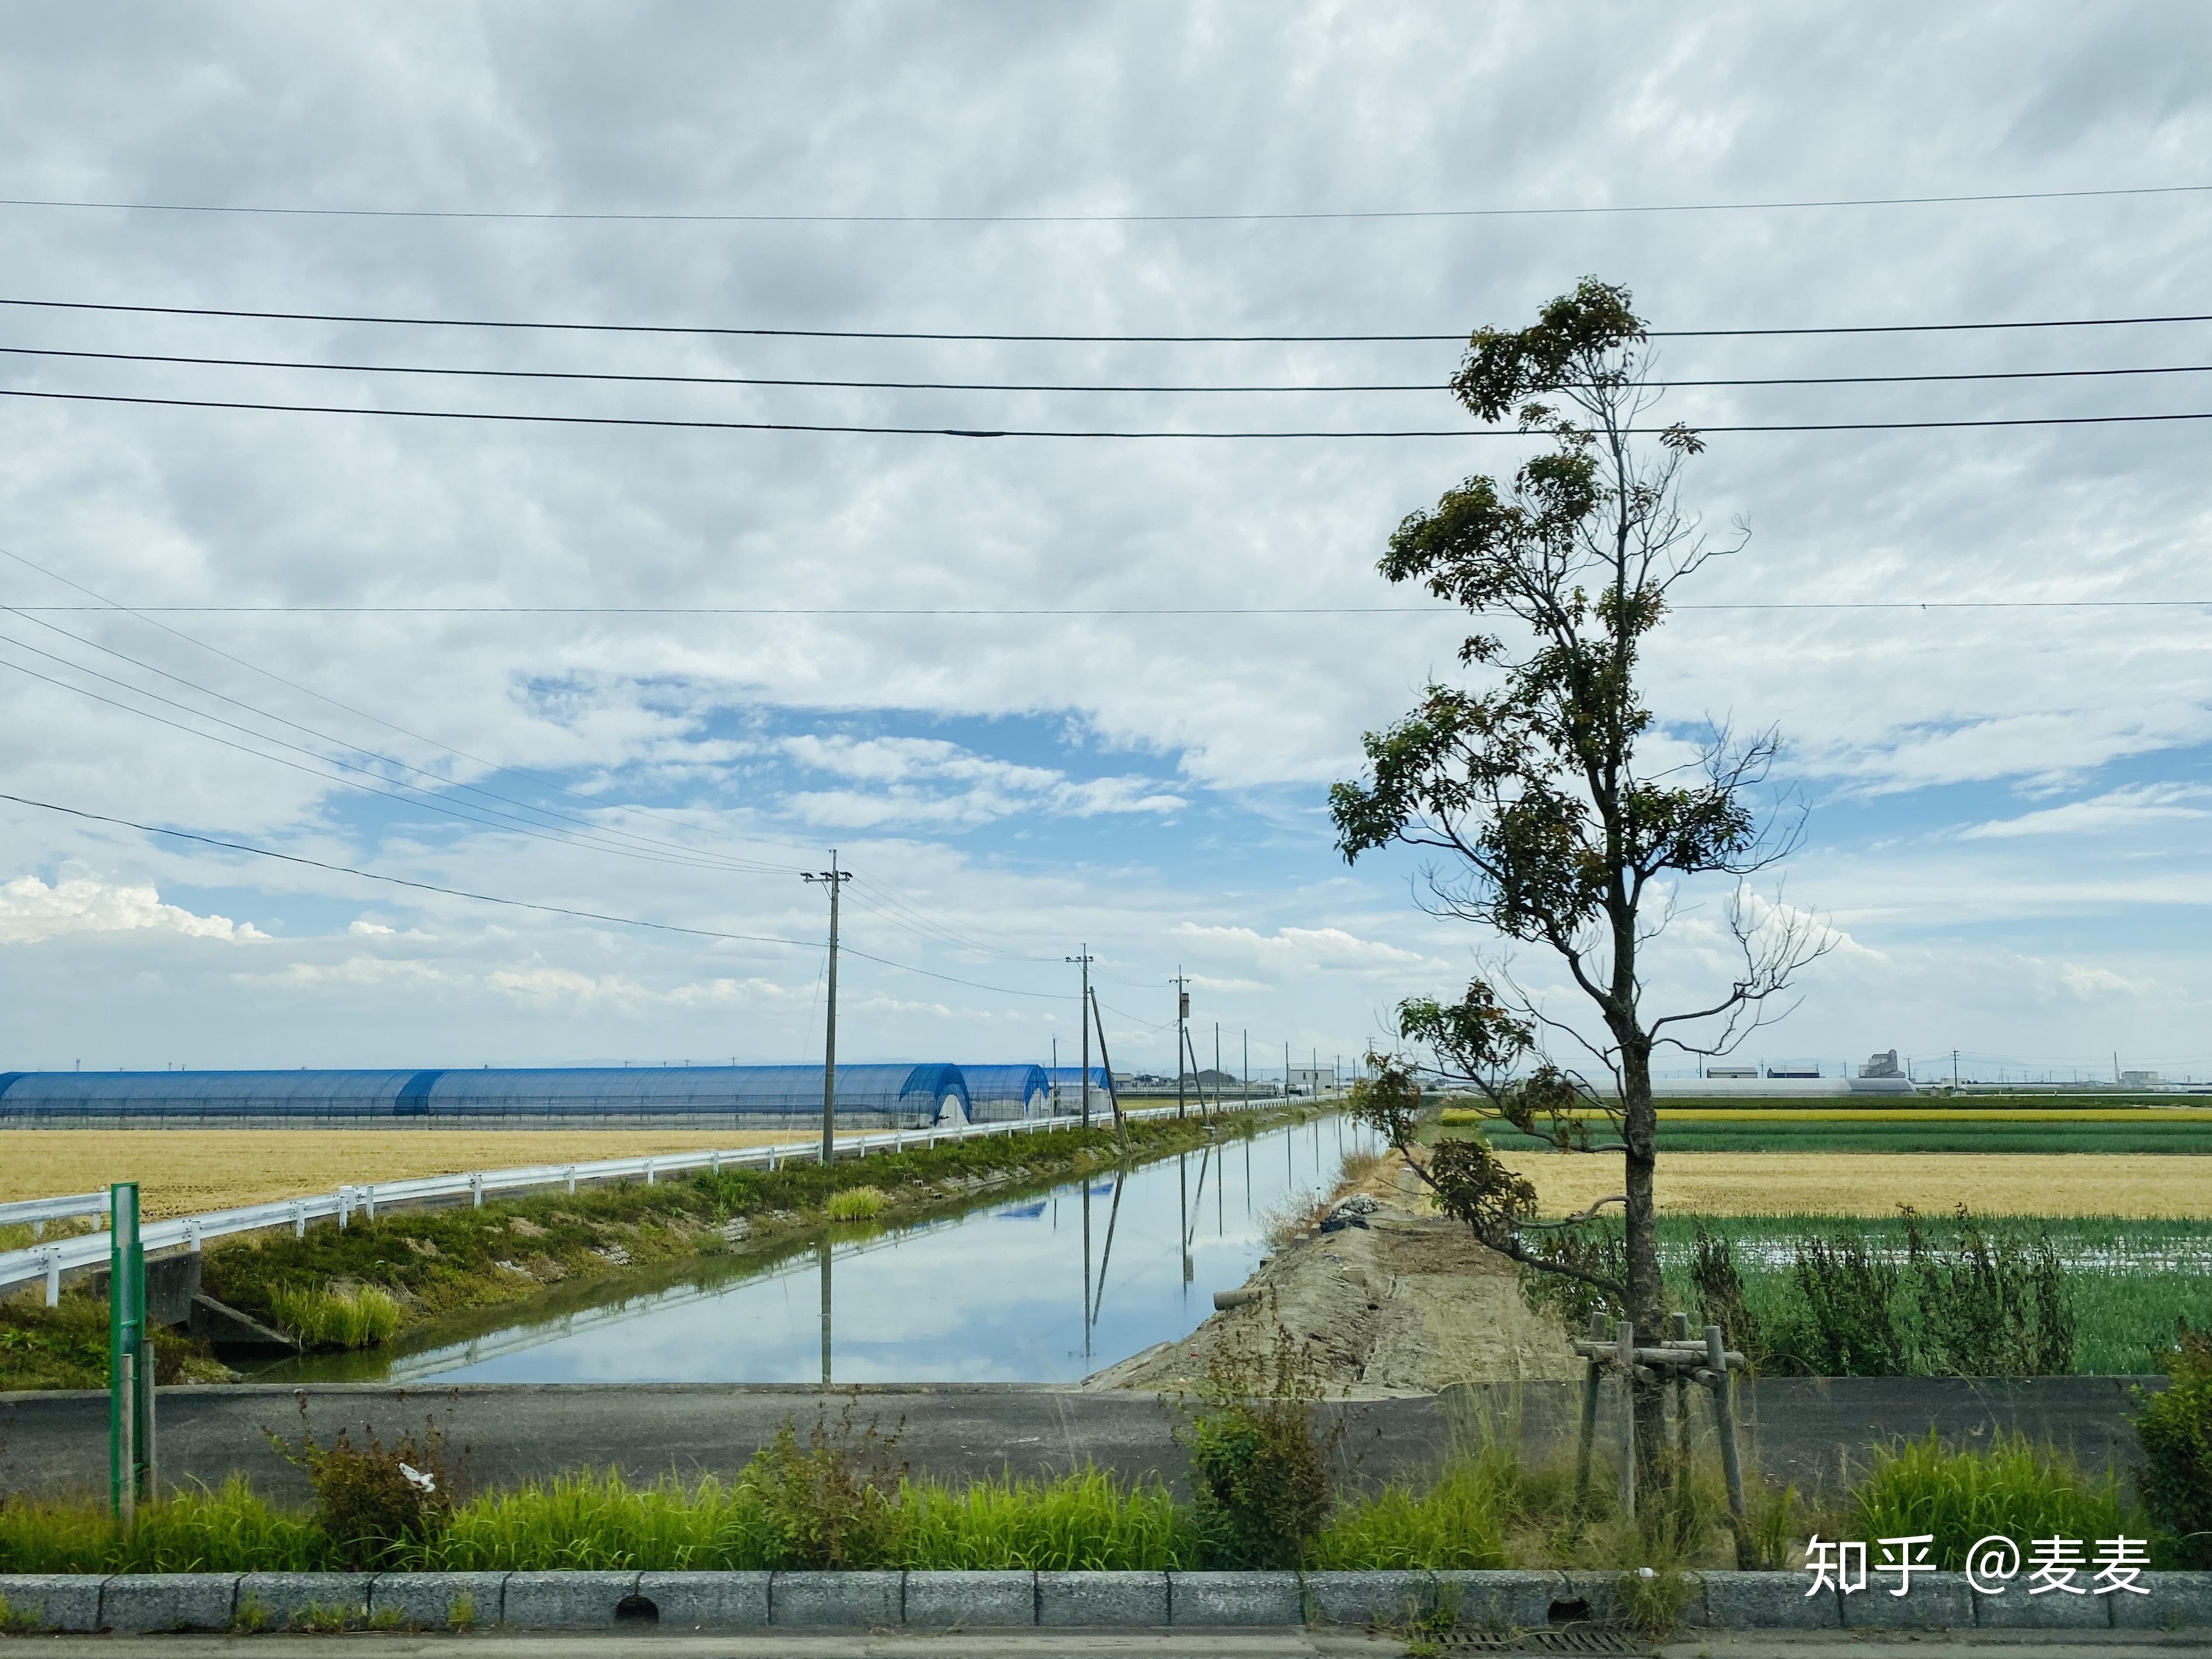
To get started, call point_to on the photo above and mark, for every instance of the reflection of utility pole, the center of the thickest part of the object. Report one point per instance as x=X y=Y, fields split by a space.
x=1085 y=1006
x=1182 y=1211
x=821 y=1262
x=1106 y=1255
x=1086 y=1266
x=836 y=880
x=1182 y=1016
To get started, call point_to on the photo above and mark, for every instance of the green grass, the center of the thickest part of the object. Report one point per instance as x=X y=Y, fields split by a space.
x=2131 y=1279
x=2011 y=1489
x=342 y=1317
x=1996 y=1136
x=856 y=1204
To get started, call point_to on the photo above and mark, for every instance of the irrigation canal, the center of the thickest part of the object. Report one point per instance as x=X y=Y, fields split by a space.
x=1044 y=1287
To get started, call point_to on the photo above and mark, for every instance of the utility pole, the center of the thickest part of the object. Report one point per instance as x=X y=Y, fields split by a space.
x=834 y=878
x=1286 y=1071
x=1248 y=1070
x=1954 y=1071
x=1182 y=982
x=1084 y=1011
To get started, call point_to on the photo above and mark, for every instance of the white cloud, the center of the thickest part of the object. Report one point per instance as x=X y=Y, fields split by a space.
x=30 y=911
x=1311 y=950
x=926 y=781
x=2118 y=809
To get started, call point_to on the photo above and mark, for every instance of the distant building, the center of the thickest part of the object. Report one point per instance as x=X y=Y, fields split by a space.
x=1731 y=1070
x=2140 y=1079
x=1313 y=1079
x=1882 y=1065
x=1790 y=1069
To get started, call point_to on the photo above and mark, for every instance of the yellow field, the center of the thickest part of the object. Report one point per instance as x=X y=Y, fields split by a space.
x=188 y=1172
x=1896 y=1115
x=2140 y=1184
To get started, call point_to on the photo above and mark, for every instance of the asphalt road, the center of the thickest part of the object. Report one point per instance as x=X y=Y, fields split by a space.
x=1802 y=1430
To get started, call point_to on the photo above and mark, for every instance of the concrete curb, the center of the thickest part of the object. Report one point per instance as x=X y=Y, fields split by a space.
x=139 y=1602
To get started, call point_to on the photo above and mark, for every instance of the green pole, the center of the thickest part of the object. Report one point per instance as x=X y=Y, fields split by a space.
x=126 y=1332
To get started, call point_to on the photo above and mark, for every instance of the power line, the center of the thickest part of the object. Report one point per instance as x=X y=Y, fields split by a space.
x=1063 y=610
x=108 y=604
x=1426 y=387
x=511 y=903
x=1457 y=338
x=667 y=423
x=1293 y=216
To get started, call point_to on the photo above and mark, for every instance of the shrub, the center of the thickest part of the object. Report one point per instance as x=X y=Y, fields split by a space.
x=1847 y=1327
x=1990 y=1305
x=1292 y=1219
x=2012 y=1488
x=377 y=1506
x=1598 y=1247
x=819 y=1506
x=855 y=1204
x=341 y=1316
x=1259 y=1469
x=1459 y=1523
x=1721 y=1298
x=2175 y=1428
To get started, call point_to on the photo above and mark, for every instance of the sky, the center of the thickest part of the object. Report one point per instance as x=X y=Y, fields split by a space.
x=2005 y=806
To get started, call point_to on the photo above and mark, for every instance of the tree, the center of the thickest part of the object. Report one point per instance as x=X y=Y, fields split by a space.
x=1556 y=831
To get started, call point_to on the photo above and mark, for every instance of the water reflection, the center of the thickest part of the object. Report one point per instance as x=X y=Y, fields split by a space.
x=981 y=1297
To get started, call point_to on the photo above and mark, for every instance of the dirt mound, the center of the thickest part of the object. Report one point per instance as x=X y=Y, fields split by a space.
x=1387 y=1302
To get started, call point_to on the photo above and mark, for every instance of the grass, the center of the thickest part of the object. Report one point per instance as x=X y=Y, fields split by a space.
x=856 y=1204
x=341 y=1316
x=2131 y=1279
x=2013 y=1489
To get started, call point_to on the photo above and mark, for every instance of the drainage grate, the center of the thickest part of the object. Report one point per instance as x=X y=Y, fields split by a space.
x=1541 y=1641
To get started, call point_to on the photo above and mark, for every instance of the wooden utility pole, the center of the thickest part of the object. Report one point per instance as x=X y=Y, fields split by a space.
x=1085 y=960
x=835 y=879
x=1113 y=1094
x=1182 y=982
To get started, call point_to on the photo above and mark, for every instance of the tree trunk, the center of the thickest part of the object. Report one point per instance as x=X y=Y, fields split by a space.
x=1647 y=1294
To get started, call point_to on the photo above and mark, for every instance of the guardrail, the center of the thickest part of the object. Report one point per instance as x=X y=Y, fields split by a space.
x=39 y=1211
x=52 y=1259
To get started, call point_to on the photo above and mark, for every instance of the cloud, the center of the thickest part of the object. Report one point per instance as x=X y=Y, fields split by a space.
x=928 y=781
x=31 y=911
x=1313 y=950
x=2141 y=807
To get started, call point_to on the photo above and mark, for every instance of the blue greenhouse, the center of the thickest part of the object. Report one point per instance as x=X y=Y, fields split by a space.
x=742 y=1097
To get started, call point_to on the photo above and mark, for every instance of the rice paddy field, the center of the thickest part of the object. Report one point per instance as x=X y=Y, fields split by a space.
x=2131 y=1279
x=187 y=1171
x=1945 y=1128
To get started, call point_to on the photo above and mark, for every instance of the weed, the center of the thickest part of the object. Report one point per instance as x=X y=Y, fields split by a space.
x=461 y=1612
x=2012 y=1487
x=1771 y=1522
x=1259 y=1465
x=1721 y=1298
x=20 y=1619
x=855 y=1204
x=2175 y=1428
x=316 y=1619
x=823 y=1507
x=1359 y=1166
x=341 y=1317
x=1292 y=1219
x=374 y=1504
x=1990 y=1305
x=250 y=1616
x=1848 y=1327
x=1652 y=1600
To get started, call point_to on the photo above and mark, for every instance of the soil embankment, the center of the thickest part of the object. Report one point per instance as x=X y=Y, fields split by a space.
x=1395 y=1302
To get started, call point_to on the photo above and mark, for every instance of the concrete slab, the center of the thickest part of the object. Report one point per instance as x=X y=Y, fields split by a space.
x=970 y=1601
x=1236 y=1598
x=2056 y=1610
x=53 y=1600
x=846 y=1600
x=1937 y=1601
x=1123 y=1599
x=1768 y=1600
x=2178 y=1600
x=1390 y=1599
x=565 y=1600
x=168 y=1600
x=1499 y=1600
x=707 y=1601
x=438 y=1600
x=302 y=1601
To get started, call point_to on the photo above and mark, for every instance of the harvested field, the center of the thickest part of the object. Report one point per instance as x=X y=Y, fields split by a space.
x=1875 y=1184
x=186 y=1171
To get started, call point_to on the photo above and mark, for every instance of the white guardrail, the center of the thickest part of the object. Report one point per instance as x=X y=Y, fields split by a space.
x=50 y=1260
